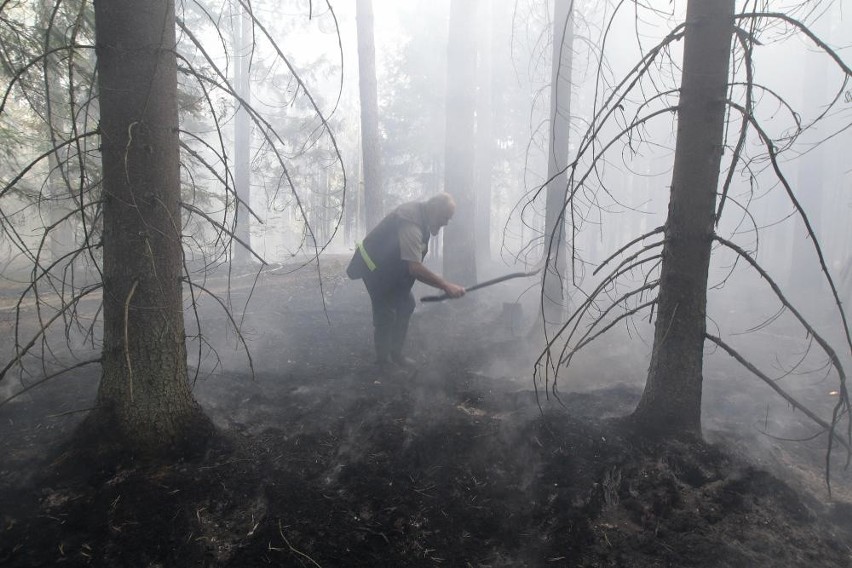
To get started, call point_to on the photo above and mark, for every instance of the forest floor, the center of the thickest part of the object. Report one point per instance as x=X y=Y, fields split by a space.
x=322 y=459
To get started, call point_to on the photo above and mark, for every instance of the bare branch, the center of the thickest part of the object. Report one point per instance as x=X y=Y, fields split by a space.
x=827 y=427
x=43 y=380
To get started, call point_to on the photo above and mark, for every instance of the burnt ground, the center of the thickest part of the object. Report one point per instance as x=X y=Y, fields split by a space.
x=324 y=460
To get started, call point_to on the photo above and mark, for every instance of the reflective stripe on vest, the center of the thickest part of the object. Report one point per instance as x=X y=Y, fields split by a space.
x=367 y=260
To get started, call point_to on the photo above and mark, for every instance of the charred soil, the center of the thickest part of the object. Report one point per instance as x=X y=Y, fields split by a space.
x=321 y=459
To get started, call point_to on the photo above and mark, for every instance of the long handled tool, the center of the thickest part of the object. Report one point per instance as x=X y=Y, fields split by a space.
x=442 y=297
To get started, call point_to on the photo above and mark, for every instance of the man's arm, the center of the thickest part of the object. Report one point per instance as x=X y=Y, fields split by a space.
x=423 y=274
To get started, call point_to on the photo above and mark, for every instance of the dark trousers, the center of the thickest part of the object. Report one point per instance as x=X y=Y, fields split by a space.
x=393 y=305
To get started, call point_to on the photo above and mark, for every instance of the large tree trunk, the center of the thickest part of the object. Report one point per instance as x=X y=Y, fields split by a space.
x=459 y=236
x=371 y=166
x=144 y=399
x=671 y=402
x=555 y=253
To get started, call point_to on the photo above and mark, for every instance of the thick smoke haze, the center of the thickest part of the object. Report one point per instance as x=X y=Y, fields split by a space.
x=276 y=196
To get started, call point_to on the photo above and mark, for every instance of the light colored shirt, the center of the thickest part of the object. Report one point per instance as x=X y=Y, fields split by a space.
x=410 y=234
x=410 y=242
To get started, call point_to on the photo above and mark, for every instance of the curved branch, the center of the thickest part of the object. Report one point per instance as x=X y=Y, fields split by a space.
x=828 y=427
x=230 y=316
x=578 y=314
x=843 y=401
x=20 y=352
x=802 y=28
x=43 y=380
x=656 y=231
x=32 y=63
x=773 y=156
x=221 y=227
x=44 y=155
x=747 y=49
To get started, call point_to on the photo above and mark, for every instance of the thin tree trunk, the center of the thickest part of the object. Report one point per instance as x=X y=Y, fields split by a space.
x=555 y=252
x=352 y=203
x=484 y=135
x=459 y=235
x=144 y=399
x=373 y=191
x=61 y=238
x=242 y=134
x=671 y=402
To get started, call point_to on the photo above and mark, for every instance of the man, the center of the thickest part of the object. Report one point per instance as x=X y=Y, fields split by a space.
x=389 y=260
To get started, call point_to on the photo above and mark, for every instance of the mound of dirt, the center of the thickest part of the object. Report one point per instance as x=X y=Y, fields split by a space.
x=324 y=460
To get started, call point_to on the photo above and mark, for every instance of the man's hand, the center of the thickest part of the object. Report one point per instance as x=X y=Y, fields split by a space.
x=454 y=290
x=423 y=274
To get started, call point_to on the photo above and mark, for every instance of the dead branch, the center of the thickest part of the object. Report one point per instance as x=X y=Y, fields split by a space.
x=221 y=227
x=230 y=316
x=566 y=355
x=802 y=28
x=621 y=250
x=20 y=351
x=293 y=550
x=43 y=380
x=773 y=156
x=843 y=401
x=575 y=318
x=747 y=50
x=827 y=427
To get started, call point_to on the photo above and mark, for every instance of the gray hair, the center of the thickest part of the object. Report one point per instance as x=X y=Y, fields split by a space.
x=441 y=203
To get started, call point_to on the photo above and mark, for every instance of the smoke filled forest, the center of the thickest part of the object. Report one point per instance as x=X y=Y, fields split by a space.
x=624 y=225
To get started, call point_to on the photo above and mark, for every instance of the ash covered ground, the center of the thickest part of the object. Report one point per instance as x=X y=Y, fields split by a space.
x=324 y=460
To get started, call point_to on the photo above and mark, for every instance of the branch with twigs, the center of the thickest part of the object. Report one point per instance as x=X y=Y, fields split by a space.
x=32 y=69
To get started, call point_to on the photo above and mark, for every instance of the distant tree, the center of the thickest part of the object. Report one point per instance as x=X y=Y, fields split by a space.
x=535 y=38
x=58 y=183
x=811 y=176
x=459 y=235
x=554 y=251
x=412 y=106
x=485 y=143
x=665 y=271
x=243 y=53
x=370 y=149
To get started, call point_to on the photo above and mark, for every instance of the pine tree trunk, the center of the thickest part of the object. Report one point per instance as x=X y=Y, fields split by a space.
x=144 y=399
x=555 y=250
x=371 y=167
x=484 y=133
x=671 y=402
x=62 y=240
x=242 y=136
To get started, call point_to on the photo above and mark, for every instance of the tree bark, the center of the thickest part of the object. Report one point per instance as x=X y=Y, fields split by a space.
x=671 y=402
x=555 y=253
x=242 y=136
x=371 y=166
x=459 y=235
x=484 y=134
x=61 y=240
x=144 y=399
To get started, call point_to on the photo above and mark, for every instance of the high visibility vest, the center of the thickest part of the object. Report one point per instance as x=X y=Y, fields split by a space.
x=378 y=256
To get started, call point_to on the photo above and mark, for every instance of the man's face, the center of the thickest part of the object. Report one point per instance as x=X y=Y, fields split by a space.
x=440 y=220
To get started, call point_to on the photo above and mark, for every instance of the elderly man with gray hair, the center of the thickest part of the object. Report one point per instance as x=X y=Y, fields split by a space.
x=389 y=260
